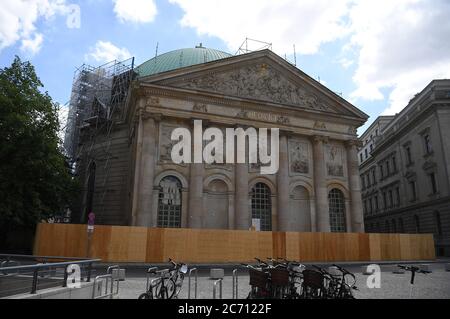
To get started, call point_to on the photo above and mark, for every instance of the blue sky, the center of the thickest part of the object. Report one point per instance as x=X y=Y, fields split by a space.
x=378 y=54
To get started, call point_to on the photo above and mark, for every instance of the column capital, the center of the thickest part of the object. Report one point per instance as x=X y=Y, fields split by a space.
x=352 y=143
x=150 y=115
x=319 y=138
x=286 y=133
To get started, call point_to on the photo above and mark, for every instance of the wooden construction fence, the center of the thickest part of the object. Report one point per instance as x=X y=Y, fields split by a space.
x=153 y=245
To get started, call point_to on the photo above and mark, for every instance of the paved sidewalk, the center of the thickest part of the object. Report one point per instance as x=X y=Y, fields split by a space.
x=435 y=285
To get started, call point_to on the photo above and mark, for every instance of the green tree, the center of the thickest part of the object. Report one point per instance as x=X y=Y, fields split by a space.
x=34 y=178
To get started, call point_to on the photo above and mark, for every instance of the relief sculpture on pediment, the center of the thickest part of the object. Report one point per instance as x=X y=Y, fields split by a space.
x=258 y=81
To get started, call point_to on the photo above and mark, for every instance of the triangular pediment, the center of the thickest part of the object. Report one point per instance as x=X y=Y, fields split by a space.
x=261 y=77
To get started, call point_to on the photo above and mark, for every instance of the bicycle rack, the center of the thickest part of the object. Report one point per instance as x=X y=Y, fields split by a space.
x=195 y=285
x=235 y=284
x=219 y=281
x=109 y=287
x=149 y=271
x=109 y=272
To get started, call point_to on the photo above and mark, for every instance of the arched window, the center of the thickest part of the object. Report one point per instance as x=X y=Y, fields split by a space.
x=90 y=189
x=169 y=203
x=337 y=211
x=262 y=206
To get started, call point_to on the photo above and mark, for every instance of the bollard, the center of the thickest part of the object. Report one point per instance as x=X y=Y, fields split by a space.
x=219 y=281
x=217 y=273
x=195 y=285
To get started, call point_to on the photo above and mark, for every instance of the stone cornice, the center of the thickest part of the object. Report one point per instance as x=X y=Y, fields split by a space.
x=218 y=99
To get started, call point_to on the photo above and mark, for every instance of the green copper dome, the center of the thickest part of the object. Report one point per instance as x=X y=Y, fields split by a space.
x=179 y=59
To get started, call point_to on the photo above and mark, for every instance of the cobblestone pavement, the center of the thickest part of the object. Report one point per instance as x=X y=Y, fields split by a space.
x=435 y=285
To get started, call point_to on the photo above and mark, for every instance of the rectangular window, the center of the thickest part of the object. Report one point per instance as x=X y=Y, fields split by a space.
x=433 y=183
x=370 y=206
x=365 y=152
x=388 y=168
x=374 y=176
x=394 y=164
x=397 y=195
x=384 y=200
x=376 y=203
x=361 y=157
x=381 y=172
x=391 y=199
x=412 y=186
x=363 y=181
x=408 y=155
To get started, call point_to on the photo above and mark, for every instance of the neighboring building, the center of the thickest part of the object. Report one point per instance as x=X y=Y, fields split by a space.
x=405 y=177
x=371 y=136
x=129 y=178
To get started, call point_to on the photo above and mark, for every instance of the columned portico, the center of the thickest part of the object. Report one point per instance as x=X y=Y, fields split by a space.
x=322 y=207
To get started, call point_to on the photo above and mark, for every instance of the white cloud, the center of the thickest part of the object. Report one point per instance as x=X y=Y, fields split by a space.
x=398 y=46
x=105 y=51
x=138 y=11
x=307 y=24
x=32 y=46
x=18 y=19
x=402 y=45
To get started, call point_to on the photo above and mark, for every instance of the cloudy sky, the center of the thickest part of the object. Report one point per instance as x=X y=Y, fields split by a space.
x=377 y=54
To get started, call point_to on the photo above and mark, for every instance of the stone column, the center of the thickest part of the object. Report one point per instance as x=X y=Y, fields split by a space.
x=355 y=187
x=320 y=186
x=137 y=169
x=197 y=171
x=243 y=214
x=147 y=172
x=196 y=195
x=283 y=185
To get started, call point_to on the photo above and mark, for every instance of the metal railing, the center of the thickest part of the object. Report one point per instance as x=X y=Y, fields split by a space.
x=35 y=270
x=219 y=281
x=235 y=284
x=195 y=283
x=110 y=270
x=97 y=289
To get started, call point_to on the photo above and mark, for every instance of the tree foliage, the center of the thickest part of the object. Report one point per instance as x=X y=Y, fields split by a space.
x=34 y=178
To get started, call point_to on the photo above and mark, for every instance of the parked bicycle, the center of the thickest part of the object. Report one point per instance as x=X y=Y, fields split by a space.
x=413 y=270
x=283 y=279
x=274 y=279
x=167 y=283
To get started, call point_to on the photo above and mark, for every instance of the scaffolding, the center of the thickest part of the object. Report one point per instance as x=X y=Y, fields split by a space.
x=98 y=95
x=251 y=45
x=98 y=99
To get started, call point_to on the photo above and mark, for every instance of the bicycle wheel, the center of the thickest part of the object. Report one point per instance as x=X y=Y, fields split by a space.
x=166 y=289
x=145 y=295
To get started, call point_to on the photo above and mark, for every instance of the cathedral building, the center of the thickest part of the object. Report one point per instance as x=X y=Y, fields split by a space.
x=129 y=178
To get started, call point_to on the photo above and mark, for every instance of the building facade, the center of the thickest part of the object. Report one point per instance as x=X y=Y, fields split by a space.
x=317 y=186
x=405 y=174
